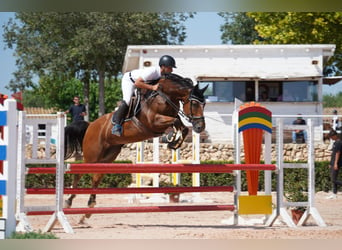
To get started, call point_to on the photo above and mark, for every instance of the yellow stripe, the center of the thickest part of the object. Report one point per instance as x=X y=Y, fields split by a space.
x=255 y=120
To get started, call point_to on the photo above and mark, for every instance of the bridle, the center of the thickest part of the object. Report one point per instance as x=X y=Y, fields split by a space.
x=192 y=99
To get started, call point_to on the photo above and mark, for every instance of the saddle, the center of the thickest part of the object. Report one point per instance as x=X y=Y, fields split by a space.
x=134 y=106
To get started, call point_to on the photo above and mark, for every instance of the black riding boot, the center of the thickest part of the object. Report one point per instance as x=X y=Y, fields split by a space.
x=118 y=118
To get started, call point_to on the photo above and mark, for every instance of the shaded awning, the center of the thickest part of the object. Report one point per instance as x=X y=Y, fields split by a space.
x=332 y=80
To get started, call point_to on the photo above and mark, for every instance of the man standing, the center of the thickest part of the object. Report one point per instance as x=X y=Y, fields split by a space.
x=335 y=162
x=77 y=110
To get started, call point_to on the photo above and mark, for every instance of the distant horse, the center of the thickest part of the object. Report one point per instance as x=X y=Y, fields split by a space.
x=158 y=111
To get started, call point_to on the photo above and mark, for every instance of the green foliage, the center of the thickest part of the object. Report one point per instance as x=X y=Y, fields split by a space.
x=90 y=46
x=332 y=101
x=52 y=93
x=49 y=180
x=301 y=28
x=33 y=235
x=32 y=99
x=238 y=28
x=296 y=185
x=322 y=177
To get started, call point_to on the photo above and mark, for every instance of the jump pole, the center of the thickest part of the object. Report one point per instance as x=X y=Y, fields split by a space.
x=195 y=159
x=140 y=158
x=22 y=210
x=8 y=150
x=310 y=166
x=257 y=117
x=58 y=214
x=143 y=168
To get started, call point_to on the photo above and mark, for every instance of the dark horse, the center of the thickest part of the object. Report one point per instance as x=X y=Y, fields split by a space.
x=158 y=111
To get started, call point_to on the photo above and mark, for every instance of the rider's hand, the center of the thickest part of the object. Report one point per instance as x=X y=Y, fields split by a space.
x=155 y=87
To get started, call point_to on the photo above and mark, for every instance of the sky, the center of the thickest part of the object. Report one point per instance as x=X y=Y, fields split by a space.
x=208 y=21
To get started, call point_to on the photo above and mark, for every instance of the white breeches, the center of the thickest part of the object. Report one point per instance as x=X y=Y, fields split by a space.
x=127 y=87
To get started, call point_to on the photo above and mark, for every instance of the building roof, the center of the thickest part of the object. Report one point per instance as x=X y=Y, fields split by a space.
x=236 y=61
x=39 y=112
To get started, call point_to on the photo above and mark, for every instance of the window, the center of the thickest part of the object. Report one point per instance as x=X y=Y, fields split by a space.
x=227 y=91
x=285 y=91
x=300 y=91
x=41 y=130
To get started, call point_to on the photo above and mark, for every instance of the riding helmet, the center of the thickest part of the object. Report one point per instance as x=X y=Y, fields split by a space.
x=167 y=61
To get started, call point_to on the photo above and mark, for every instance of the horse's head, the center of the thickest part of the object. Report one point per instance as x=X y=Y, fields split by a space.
x=193 y=108
x=182 y=89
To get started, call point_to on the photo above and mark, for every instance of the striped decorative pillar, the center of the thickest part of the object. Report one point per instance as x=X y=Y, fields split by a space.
x=254 y=119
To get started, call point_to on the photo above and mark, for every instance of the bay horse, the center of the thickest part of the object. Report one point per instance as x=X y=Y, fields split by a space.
x=158 y=111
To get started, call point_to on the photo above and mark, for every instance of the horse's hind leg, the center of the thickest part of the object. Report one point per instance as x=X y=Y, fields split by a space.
x=109 y=155
x=68 y=202
x=92 y=198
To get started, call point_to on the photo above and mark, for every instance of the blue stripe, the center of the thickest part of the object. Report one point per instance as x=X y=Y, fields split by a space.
x=255 y=125
x=3 y=118
x=2 y=187
x=3 y=152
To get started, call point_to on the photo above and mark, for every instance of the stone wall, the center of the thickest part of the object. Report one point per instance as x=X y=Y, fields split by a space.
x=211 y=151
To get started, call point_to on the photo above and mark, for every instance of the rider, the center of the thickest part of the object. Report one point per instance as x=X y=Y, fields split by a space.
x=139 y=78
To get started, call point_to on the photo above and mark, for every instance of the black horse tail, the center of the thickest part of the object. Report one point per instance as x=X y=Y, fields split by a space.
x=73 y=138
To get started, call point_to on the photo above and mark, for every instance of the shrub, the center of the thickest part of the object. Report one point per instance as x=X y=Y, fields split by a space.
x=33 y=235
x=49 y=180
x=322 y=178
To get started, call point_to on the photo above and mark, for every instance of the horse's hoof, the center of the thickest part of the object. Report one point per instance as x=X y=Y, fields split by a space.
x=174 y=145
x=81 y=221
x=170 y=137
x=67 y=204
x=91 y=203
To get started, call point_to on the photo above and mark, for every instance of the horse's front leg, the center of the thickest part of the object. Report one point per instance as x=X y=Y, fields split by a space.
x=92 y=198
x=76 y=179
x=179 y=134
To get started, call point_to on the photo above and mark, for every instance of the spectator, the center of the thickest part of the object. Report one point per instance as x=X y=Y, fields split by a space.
x=264 y=97
x=336 y=124
x=335 y=162
x=77 y=110
x=299 y=134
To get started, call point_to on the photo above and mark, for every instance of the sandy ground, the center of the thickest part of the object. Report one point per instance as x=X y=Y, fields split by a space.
x=186 y=225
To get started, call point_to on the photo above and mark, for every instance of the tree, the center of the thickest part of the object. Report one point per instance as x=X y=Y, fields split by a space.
x=302 y=28
x=87 y=45
x=330 y=101
x=238 y=28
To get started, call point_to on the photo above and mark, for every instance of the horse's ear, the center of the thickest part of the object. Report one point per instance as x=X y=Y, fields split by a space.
x=204 y=89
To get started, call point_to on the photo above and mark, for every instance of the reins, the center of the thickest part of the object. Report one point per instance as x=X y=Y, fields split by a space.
x=175 y=107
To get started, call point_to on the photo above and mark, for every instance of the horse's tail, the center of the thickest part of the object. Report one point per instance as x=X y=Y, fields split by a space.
x=73 y=137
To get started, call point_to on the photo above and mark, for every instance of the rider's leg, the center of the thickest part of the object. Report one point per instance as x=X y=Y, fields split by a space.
x=118 y=118
x=127 y=87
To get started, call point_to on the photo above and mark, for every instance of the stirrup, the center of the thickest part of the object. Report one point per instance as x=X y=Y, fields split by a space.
x=117 y=130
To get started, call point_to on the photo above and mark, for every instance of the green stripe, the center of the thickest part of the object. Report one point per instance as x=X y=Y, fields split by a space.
x=255 y=114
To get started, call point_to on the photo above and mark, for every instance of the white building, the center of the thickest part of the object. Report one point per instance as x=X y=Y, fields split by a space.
x=291 y=75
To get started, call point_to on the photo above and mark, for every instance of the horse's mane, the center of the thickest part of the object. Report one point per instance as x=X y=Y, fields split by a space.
x=187 y=82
